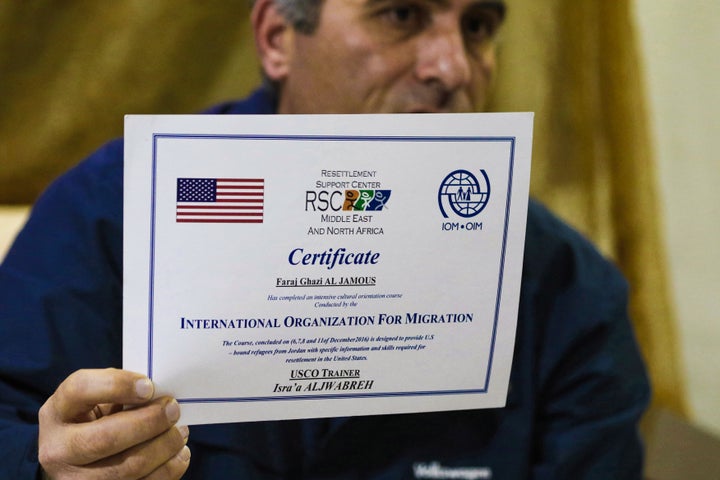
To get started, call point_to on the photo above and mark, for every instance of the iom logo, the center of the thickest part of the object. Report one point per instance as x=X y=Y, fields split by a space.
x=463 y=193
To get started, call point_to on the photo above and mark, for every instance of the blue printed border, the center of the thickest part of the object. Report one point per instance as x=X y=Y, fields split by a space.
x=329 y=138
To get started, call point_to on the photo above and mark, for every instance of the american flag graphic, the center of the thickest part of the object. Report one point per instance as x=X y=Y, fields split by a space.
x=220 y=200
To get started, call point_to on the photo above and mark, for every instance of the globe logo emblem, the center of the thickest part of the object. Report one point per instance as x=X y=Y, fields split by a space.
x=462 y=193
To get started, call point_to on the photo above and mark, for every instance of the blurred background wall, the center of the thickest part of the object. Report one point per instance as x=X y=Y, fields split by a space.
x=69 y=71
x=680 y=40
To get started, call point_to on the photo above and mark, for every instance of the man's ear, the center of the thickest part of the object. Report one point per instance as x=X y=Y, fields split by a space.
x=273 y=39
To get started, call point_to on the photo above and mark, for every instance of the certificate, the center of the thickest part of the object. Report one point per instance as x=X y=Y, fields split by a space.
x=282 y=267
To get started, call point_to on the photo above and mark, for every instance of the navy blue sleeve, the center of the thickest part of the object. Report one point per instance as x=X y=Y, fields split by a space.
x=589 y=379
x=60 y=299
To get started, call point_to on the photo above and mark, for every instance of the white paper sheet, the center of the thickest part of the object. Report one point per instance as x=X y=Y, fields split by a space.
x=283 y=267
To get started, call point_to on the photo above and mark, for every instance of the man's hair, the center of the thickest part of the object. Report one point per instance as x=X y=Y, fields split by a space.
x=303 y=15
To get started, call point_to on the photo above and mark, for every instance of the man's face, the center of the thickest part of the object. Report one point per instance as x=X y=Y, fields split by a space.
x=383 y=56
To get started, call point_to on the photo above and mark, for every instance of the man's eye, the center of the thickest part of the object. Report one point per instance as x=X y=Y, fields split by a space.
x=404 y=16
x=401 y=14
x=481 y=27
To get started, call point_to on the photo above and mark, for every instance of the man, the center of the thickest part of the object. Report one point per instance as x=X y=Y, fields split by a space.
x=578 y=385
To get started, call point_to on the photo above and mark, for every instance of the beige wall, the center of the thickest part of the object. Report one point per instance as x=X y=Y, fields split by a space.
x=11 y=219
x=681 y=41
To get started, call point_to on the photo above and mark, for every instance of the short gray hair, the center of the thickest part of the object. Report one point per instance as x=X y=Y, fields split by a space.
x=303 y=15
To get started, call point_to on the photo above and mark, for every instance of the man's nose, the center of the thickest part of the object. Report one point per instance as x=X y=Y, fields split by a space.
x=442 y=58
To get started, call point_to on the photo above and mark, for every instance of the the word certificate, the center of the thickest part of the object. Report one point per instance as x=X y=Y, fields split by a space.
x=283 y=267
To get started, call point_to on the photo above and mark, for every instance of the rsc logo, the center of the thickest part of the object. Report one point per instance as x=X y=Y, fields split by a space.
x=462 y=193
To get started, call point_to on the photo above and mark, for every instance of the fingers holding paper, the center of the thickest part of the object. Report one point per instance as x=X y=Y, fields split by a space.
x=85 y=429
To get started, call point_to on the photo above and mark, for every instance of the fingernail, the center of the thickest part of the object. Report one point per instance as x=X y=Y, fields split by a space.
x=184 y=454
x=144 y=388
x=184 y=431
x=172 y=411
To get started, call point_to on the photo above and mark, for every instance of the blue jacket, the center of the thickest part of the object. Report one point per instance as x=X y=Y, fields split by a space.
x=578 y=384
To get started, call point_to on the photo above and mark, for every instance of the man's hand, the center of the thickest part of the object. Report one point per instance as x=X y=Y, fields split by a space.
x=86 y=433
